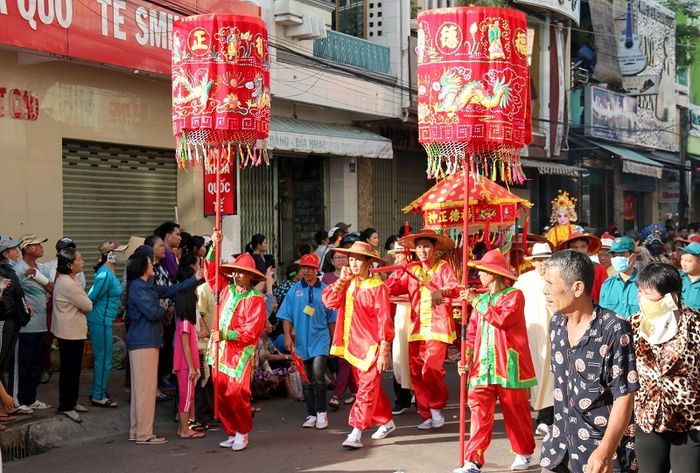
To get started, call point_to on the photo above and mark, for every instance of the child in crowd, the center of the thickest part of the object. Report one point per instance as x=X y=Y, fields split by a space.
x=186 y=350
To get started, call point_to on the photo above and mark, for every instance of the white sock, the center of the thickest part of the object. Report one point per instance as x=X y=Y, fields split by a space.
x=357 y=433
x=435 y=413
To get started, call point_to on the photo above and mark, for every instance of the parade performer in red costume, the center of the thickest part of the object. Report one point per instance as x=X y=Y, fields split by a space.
x=241 y=323
x=498 y=363
x=363 y=335
x=432 y=280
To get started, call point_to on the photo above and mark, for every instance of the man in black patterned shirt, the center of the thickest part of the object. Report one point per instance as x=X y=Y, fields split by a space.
x=595 y=375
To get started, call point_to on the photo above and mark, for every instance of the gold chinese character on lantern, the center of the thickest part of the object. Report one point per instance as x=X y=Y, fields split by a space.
x=449 y=36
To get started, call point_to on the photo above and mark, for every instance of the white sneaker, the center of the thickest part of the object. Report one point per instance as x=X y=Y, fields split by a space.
x=469 y=467
x=542 y=430
x=352 y=442
x=521 y=462
x=321 y=420
x=23 y=410
x=384 y=430
x=437 y=418
x=309 y=423
x=39 y=405
x=228 y=443
x=427 y=424
x=240 y=442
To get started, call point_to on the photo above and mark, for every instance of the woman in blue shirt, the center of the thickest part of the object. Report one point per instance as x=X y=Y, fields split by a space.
x=105 y=295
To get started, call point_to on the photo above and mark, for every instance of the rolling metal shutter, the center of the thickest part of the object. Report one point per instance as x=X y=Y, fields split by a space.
x=396 y=184
x=258 y=196
x=114 y=191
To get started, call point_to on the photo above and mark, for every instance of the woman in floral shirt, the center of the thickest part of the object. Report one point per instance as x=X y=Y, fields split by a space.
x=667 y=344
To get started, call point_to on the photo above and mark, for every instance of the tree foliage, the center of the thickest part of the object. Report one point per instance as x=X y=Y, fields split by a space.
x=687 y=30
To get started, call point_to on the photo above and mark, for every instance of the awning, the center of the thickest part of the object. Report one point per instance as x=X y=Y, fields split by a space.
x=634 y=162
x=666 y=157
x=551 y=167
x=289 y=134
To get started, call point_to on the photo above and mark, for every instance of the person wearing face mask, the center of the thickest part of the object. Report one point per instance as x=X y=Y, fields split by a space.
x=619 y=293
x=105 y=295
x=537 y=317
x=690 y=263
x=667 y=345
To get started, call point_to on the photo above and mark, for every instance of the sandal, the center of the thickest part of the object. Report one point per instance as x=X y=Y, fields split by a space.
x=152 y=440
x=334 y=402
x=193 y=435
x=106 y=402
x=349 y=400
x=197 y=426
x=163 y=397
x=7 y=418
x=72 y=415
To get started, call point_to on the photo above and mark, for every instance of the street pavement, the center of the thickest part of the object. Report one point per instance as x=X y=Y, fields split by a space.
x=277 y=442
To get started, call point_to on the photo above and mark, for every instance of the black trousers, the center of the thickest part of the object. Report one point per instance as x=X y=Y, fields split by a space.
x=71 y=355
x=315 y=393
x=165 y=355
x=662 y=452
x=27 y=366
x=9 y=330
x=403 y=395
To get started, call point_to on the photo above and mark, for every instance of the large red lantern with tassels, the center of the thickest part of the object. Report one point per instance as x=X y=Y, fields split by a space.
x=473 y=90
x=221 y=87
x=221 y=102
x=474 y=109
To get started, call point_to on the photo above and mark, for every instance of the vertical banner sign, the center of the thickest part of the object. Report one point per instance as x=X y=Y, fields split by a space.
x=229 y=190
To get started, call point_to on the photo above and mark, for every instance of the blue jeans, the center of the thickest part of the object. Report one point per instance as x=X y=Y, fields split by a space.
x=101 y=336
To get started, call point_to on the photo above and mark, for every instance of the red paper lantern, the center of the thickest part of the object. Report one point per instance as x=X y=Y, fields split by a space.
x=473 y=90
x=221 y=87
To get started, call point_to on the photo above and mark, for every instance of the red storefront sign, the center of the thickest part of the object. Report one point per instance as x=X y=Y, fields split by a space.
x=628 y=207
x=19 y=104
x=228 y=191
x=132 y=34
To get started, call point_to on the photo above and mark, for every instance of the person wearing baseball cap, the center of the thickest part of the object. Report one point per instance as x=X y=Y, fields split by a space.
x=619 y=293
x=362 y=336
x=431 y=320
x=105 y=295
x=31 y=345
x=9 y=249
x=308 y=325
x=690 y=276
x=15 y=312
x=498 y=333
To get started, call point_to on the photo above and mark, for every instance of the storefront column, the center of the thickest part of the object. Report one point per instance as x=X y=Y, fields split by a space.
x=343 y=187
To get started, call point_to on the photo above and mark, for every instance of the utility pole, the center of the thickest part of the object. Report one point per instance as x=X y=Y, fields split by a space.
x=683 y=194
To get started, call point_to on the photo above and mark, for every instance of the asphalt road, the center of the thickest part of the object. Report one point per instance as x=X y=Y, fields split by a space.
x=278 y=444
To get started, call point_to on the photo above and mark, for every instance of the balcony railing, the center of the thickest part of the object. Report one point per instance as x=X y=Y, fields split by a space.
x=346 y=49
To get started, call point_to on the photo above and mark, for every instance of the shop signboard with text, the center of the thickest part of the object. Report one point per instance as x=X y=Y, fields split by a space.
x=127 y=33
x=228 y=191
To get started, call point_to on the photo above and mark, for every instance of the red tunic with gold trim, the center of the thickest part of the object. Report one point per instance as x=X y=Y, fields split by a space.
x=363 y=331
x=364 y=319
x=428 y=322
x=241 y=323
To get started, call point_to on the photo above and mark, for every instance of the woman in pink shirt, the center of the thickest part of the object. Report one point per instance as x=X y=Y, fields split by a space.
x=186 y=353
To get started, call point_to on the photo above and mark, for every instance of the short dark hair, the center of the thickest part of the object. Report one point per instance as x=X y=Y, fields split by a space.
x=292 y=270
x=195 y=243
x=184 y=240
x=366 y=233
x=65 y=259
x=573 y=266
x=165 y=228
x=304 y=248
x=660 y=276
x=137 y=266
x=151 y=240
x=390 y=241
x=319 y=236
